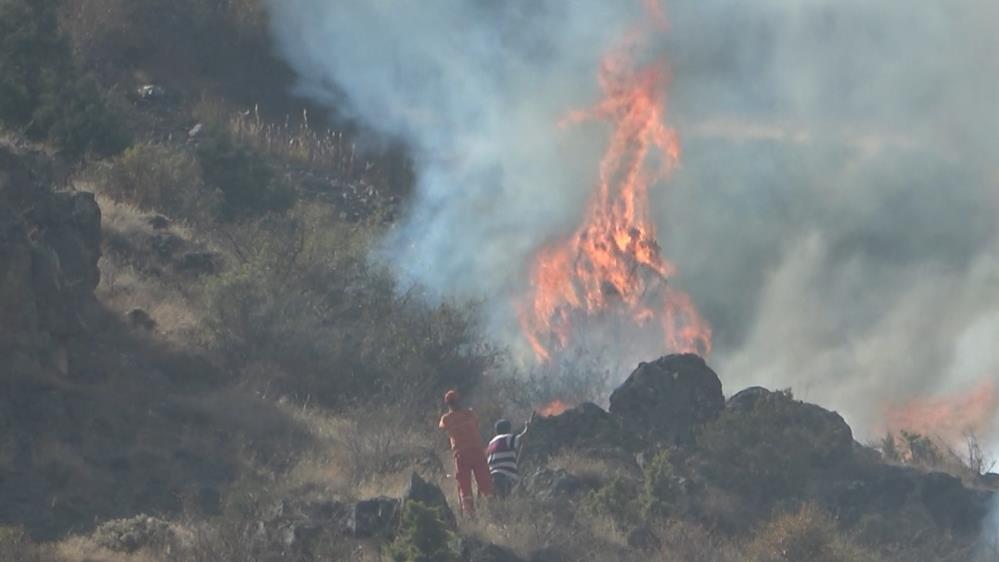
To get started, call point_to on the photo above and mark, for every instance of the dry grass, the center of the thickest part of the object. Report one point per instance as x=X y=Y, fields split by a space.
x=123 y=287
x=295 y=144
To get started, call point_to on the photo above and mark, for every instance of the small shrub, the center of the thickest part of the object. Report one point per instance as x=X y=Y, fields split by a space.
x=15 y=546
x=660 y=494
x=805 y=534
x=163 y=178
x=422 y=536
x=248 y=184
x=615 y=499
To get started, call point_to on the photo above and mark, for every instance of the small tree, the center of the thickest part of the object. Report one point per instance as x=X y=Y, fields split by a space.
x=660 y=492
x=423 y=536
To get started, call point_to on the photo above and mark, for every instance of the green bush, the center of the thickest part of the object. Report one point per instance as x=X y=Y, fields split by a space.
x=156 y=177
x=248 y=184
x=615 y=499
x=42 y=92
x=422 y=536
x=660 y=493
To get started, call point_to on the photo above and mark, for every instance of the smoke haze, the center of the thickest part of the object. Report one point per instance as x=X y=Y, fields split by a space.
x=834 y=211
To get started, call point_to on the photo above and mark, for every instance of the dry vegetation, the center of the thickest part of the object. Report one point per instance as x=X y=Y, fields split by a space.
x=283 y=362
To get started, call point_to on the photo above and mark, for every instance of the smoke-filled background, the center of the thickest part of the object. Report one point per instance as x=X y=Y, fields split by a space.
x=833 y=215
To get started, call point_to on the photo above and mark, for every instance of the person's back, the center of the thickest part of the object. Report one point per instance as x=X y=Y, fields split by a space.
x=462 y=427
x=502 y=457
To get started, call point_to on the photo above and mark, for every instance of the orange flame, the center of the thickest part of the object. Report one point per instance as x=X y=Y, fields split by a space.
x=612 y=263
x=552 y=408
x=947 y=417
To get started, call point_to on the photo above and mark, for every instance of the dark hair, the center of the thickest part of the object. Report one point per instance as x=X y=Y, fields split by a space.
x=502 y=427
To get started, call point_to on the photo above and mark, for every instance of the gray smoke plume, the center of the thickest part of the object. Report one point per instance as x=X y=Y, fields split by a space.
x=834 y=213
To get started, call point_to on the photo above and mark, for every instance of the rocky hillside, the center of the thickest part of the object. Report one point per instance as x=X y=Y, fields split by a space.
x=200 y=361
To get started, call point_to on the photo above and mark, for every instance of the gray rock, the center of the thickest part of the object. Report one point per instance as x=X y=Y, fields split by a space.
x=667 y=399
x=198 y=263
x=429 y=494
x=151 y=92
x=642 y=538
x=475 y=550
x=548 y=484
x=586 y=426
x=373 y=517
x=138 y=318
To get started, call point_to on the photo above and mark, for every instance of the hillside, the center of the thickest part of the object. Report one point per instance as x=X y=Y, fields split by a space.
x=203 y=361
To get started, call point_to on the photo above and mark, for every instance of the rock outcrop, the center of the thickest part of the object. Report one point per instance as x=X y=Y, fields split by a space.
x=667 y=399
x=49 y=246
x=586 y=426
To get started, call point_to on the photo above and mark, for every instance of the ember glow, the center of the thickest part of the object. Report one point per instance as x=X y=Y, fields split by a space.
x=611 y=268
x=553 y=408
x=948 y=417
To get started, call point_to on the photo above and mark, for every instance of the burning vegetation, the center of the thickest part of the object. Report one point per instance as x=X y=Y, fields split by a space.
x=611 y=270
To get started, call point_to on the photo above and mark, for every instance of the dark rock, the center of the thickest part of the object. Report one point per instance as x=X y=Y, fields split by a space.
x=373 y=517
x=419 y=490
x=548 y=484
x=198 y=263
x=666 y=400
x=642 y=538
x=833 y=438
x=586 y=426
x=165 y=244
x=158 y=222
x=138 y=318
x=951 y=505
x=49 y=246
x=549 y=554
x=990 y=479
x=475 y=550
x=745 y=400
x=129 y=535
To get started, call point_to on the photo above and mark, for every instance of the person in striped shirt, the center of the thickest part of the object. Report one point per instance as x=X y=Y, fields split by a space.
x=502 y=455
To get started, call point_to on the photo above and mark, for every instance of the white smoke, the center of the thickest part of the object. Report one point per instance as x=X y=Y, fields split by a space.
x=834 y=214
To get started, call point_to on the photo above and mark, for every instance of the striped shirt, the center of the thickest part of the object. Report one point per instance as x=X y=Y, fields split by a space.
x=502 y=454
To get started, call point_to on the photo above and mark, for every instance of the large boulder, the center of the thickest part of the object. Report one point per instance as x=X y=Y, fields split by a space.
x=586 y=426
x=832 y=438
x=548 y=484
x=475 y=550
x=374 y=517
x=667 y=399
x=49 y=246
x=429 y=494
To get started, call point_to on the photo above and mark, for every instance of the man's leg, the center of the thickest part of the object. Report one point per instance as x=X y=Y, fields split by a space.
x=482 y=477
x=463 y=475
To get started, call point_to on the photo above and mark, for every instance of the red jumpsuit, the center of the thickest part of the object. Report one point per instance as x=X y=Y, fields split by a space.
x=469 y=456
